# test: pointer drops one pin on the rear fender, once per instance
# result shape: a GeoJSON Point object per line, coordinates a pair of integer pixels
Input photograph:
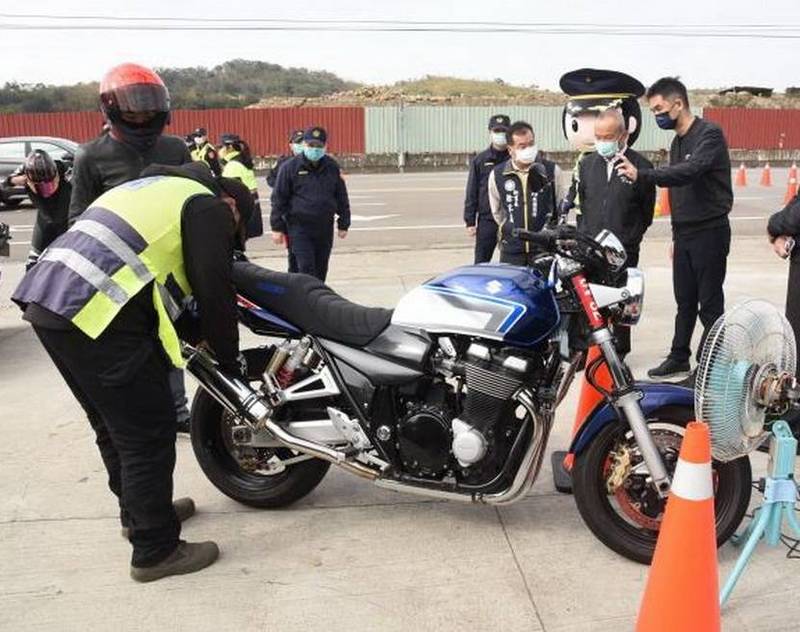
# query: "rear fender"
{"type": "Point", "coordinates": [655, 395]}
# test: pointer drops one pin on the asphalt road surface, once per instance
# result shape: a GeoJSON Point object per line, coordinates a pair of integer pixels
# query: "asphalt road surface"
{"type": "Point", "coordinates": [424, 210]}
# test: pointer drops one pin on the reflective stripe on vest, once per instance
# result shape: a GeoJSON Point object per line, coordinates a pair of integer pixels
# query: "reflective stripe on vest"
{"type": "Point", "coordinates": [89, 272]}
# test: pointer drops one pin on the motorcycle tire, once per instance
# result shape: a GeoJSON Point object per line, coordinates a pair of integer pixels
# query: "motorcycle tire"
{"type": "Point", "coordinates": [226, 474]}
{"type": "Point", "coordinates": [732, 482]}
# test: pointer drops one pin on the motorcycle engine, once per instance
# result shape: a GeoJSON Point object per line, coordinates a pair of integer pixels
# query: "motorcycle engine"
{"type": "Point", "coordinates": [423, 438]}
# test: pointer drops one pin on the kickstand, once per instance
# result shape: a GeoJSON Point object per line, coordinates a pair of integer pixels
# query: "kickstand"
{"type": "Point", "coordinates": [780, 495]}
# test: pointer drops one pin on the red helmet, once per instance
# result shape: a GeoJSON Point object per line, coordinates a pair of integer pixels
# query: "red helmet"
{"type": "Point", "coordinates": [134, 89]}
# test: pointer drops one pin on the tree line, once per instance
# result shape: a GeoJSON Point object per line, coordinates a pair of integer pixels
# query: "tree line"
{"type": "Point", "coordinates": [233, 84]}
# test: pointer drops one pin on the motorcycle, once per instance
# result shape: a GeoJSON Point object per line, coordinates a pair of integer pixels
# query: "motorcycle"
{"type": "Point", "coordinates": [452, 395]}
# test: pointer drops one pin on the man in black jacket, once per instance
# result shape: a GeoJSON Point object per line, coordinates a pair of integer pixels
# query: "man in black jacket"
{"type": "Point", "coordinates": [113, 347]}
{"type": "Point", "coordinates": [613, 202]}
{"type": "Point", "coordinates": [135, 104]}
{"type": "Point", "coordinates": [49, 190]}
{"type": "Point", "coordinates": [295, 148]}
{"type": "Point", "coordinates": [477, 212]}
{"type": "Point", "coordinates": [699, 181]}
{"type": "Point", "coordinates": [308, 195]}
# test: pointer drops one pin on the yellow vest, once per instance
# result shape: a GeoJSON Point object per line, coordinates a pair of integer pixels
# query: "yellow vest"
{"type": "Point", "coordinates": [235, 169]}
{"type": "Point", "coordinates": [138, 225]}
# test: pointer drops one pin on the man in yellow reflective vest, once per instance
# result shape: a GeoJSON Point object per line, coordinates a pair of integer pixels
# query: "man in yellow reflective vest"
{"type": "Point", "coordinates": [106, 299]}
{"type": "Point", "coordinates": [202, 150]}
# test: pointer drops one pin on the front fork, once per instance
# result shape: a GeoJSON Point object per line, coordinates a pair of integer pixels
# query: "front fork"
{"type": "Point", "coordinates": [624, 397]}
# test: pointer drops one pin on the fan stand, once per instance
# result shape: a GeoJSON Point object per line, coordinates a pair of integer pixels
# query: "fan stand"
{"type": "Point", "coordinates": [780, 494]}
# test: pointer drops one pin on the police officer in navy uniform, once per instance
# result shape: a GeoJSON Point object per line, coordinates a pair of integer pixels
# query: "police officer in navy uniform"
{"type": "Point", "coordinates": [106, 300]}
{"type": "Point", "coordinates": [522, 193]}
{"type": "Point", "coordinates": [295, 148]}
{"type": "Point", "coordinates": [477, 212]}
{"type": "Point", "coordinates": [309, 194]}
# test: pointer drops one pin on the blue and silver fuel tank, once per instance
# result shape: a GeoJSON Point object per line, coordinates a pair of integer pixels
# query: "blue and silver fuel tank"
{"type": "Point", "coordinates": [496, 301]}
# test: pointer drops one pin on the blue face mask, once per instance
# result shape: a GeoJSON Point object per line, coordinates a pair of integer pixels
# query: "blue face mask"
{"type": "Point", "coordinates": [314, 153]}
{"type": "Point", "coordinates": [297, 148]}
{"type": "Point", "coordinates": [664, 121]}
{"type": "Point", "coordinates": [606, 148]}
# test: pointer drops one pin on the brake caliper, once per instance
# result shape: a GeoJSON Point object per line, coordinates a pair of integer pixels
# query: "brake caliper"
{"type": "Point", "coordinates": [620, 468]}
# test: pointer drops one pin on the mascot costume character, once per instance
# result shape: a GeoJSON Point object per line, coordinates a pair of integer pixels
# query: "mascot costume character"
{"type": "Point", "coordinates": [590, 91]}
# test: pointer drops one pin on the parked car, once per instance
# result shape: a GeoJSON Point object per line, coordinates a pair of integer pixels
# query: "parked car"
{"type": "Point", "coordinates": [13, 150]}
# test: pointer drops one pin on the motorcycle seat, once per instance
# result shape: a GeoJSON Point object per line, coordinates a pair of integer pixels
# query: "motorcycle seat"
{"type": "Point", "coordinates": [310, 305]}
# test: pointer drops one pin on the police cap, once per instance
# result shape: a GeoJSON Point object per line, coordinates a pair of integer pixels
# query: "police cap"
{"type": "Point", "coordinates": [500, 122]}
{"type": "Point", "coordinates": [315, 134]}
{"type": "Point", "coordinates": [595, 81]}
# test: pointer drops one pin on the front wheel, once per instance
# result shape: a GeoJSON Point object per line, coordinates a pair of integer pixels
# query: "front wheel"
{"type": "Point", "coordinates": [623, 510]}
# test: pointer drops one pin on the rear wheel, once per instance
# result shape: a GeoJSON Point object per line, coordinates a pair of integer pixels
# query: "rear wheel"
{"type": "Point", "coordinates": [625, 512]}
{"type": "Point", "coordinates": [251, 476]}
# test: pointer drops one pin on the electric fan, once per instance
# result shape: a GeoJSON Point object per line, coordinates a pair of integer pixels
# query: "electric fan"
{"type": "Point", "coordinates": [747, 374]}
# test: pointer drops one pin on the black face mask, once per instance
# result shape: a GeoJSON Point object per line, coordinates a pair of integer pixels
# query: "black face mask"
{"type": "Point", "coordinates": [142, 137]}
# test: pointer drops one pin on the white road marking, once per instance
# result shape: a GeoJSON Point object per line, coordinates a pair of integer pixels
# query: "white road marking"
{"type": "Point", "coordinates": [371, 218]}
{"type": "Point", "coordinates": [410, 190]}
{"type": "Point", "coordinates": [370, 204]}
{"type": "Point", "coordinates": [425, 227]}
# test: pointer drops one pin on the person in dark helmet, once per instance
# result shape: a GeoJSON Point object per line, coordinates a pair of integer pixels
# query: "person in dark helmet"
{"type": "Point", "coordinates": [477, 212]}
{"type": "Point", "coordinates": [135, 104]}
{"type": "Point", "coordinates": [49, 191]}
{"type": "Point", "coordinates": [295, 149]}
{"type": "Point", "coordinates": [202, 150]}
{"type": "Point", "coordinates": [239, 164]}
{"type": "Point", "coordinates": [110, 318]}
{"type": "Point", "coordinates": [309, 195]}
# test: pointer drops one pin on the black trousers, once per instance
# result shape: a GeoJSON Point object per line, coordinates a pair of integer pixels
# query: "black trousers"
{"type": "Point", "coordinates": [699, 264]}
{"type": "Point", "coordinates": [122, 382]}
{"type": "Point", "coordinates": [311, 251]}
{"type": "Point", "coordinates": [518, 258]}
{"type": "Point", "coordinates": [793, 302]}
{"type": "Point", "coordinates": [622, 334]}
{"type": "Point", "coordinates": [485, 239]}
{"type": "Point", "coordinates": [255, 225]}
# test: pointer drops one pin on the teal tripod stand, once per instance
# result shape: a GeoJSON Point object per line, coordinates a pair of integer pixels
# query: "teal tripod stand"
{"type": "Point", "coordinates": [780, 494]}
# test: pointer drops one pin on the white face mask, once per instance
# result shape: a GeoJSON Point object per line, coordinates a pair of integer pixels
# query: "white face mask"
{"type": "Point", "coordinates": [527, 155]}
{"type": "Point", "coordinates": [499, 139]}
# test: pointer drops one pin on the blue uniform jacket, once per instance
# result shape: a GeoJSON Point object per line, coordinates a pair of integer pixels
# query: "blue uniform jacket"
{"type": "Point", "coordinates": [308, 196]}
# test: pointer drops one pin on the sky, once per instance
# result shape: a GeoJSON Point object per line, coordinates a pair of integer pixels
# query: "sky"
{"type": "Point", "coordinates": [62, 57]}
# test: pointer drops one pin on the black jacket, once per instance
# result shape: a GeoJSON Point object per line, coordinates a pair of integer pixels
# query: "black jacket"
{"type": "Point", "coordinates": [309, 196]}
{"type": "Point", "coordinates": [617, 204]}
{"type": "Point", "coordinates": [207, 232]}
{"type": "Point", "coordinates": [103, 163]}
{"type": "Point", "coordinates": [787, 222]}
{"type": "Point", "coordinates": [272, 175]}
{"type": "Point", "coordinates": [476, 199]}
{"type": "Point", "coordinates": [698, 177]}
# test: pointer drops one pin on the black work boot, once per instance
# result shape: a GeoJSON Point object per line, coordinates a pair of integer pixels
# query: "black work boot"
{"type": "Point", "coordinates": [188, 557]}
{"type": "Point", "coordinates": [184, 509]}
{"type": "Point", "coordinates": [669, 369]}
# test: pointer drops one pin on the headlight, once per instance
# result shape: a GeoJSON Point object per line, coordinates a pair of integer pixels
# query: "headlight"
{"type": "Point", "coordinates": [613, 250]}
{"type": "Point", "coordinates": [632, 307]}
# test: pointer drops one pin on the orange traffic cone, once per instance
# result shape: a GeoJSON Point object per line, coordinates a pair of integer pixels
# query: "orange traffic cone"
{"type": "Point", "coordinates": [741, 176]}
{"type": "Point", "coordinates": [682, 590]}
{"type": "Point", "coordinates": [766, 176]}
{"type": "Point", "coordinates": [663, 207]}
{"type": "Point", "coordinates": [589, 397]}
{"type": "Point", "coordinates": [791, 189]}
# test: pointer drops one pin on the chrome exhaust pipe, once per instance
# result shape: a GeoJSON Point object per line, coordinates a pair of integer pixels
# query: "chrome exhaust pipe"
{"type": "Point", "coordinates": [239, 398]}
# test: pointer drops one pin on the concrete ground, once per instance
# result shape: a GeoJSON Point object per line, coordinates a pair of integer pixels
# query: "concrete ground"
{"type": "Point", "coordinates": [349, 556]}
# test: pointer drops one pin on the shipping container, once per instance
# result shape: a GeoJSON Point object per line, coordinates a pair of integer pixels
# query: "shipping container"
{"type": "Point", "coordinates": [266, 130]}
{"type": "Point", "coordinates": [757, 129]}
